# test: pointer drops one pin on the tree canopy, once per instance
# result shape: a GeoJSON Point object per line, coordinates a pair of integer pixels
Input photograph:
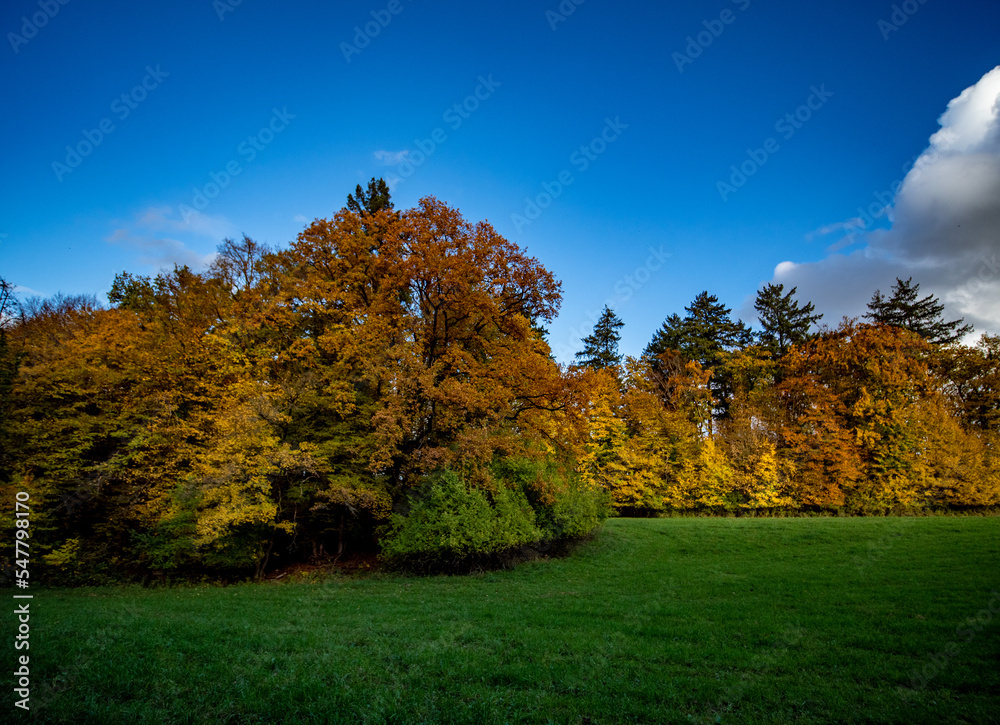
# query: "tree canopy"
{"type": "Point", "coordinates": [370, 201]}
{"type": "Point", "coordinates": [707, 335]}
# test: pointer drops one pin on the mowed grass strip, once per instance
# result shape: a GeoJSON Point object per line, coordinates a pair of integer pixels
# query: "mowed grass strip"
{"type": "Point", "coordinates": [655, 621]}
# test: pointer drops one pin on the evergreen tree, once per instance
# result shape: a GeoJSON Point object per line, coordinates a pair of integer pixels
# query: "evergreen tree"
{"type": "Point", "coordinates": [600, 348]}
{"type": "Point", "coordinates": [706, 334]}
{"type": "Point", "coordinates": [669, 337]}
{"type": "Point", "coordinates": [784, 321]}
{"type": "Point", "coordinates": [373, 200]}
{"type": "Point", "coordinates": [922, 316]}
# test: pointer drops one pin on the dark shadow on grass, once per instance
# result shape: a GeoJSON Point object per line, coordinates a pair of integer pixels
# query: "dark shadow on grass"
{"type": "Point", "coordinates": [461, 564]}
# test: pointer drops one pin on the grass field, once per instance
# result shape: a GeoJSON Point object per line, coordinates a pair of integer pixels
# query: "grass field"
{"type": "Point", "coordinates": [656, 621]}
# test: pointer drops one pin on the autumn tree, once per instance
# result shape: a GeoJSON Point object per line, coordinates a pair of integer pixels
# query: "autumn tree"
{"type": "Point", "coordinates": [750, 434]}
{"type": "Point", "coordinates": [10, 312]}
{"type": "Point", "coordinates": [600, 348]}
{"type": "Point", "coordinates": [784, 321]}
{"type": "Point", "coordinates": [434, 327]}
{"type": "Point", "coordinates": [972, 376]}
{"type": "Point", "coordinates": [904, 308]}
{"type": "Point", "coordinates": [853, 395]}
{"type": "Point", "coordinates": [667, 462]}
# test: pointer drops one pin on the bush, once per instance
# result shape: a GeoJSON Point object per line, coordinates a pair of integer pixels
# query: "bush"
{"type": "Point", "coordinates": [565, 506]}
{"type": "Point", "coordinates": [451, 527]}
{"type": "Point", "coordinates": [579, 510]}
{"type": "Point", "coordinates": [454, 527]}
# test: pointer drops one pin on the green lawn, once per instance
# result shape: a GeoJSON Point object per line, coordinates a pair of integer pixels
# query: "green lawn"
{"type": "Point", "coordinates": [657, 620]}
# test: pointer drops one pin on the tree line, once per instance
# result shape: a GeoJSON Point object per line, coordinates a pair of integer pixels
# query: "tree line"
{"type": "Point", "coordinates": [889, 413]}
{"type": "Point", "coordinates": [384, 381]}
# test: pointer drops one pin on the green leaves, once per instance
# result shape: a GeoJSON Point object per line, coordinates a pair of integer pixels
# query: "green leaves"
{"type": "Point", "coordinates": [450, 525]}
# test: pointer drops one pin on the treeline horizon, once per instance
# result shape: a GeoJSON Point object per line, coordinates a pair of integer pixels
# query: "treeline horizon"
{"type": "Point", "coordinates": [892, 414]}
{"type": "Point", "coordinates": [385, 382]}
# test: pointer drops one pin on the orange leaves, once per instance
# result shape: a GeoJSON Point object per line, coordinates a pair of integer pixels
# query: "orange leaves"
{"type": "Point", "coordinates": [430, 316]}
{"type": "Point", "coordinates": [859, 400]}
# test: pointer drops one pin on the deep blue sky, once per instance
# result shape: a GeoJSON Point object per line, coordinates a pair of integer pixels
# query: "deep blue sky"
{"type": "Point", "coordinates": [655, 186]}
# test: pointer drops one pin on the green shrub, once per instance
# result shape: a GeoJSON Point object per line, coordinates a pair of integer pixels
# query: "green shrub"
{"type": "Point", "coordinates": [565, 507]}
{"type": "Point", "coordinates": [453, 527]}
{"type": "Point", "coordinates": [579, 510]}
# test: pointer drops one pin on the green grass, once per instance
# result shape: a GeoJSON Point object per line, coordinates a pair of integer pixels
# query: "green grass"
{"type": "Point", "coordinates": [656, 621]}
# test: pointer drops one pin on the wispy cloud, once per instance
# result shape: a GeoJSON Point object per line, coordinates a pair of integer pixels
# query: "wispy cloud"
{"type": "Point", "coordinates": [194, 222]}
{"type": "Point", "coordinates": [846, 226]}
{"type": "Point", "coordinates": [161, 238]}
{"type": "Point", "coordinates": [23, 292]}
{"type": "Point", "coordinates": [391, 158]}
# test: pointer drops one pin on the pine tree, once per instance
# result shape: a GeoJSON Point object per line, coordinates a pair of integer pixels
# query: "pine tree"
{"type": "Point", "coordinates": [707, 334]}
{"type": "Point", "coordinates": [922, 316]}
{"type": "Point", "coordinates": [600, 348]}
{"type": "Point", "coordinates": [785, 322]}
{"type": "Point", "coordinates": [669, 337]}
{"type": "Point", "coordinates": [375, 199]}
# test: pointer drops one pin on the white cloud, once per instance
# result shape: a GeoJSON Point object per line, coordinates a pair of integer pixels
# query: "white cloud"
{"type": "Point", "coordinates": [24, 292]}
{"type": "Point", "coordinates": [849, 225]}
{"type": "Point", "coordinates": [163, 218]}
{"type": "Point", "coordinates": [391, 158]}
{"type": "Point", "coordinates": [944, 231]}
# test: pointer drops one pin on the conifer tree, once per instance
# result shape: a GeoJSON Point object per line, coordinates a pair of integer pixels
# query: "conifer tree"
{"type": "Point", "coordinates": [371, 201]}
{"type": "Point", "coordinates": [600, 348]}
{"type": "Point", "coordinates": [706, 334]}
{"type": "Point", "coordinates": [784, 321]}
{"type": "Point", "coordinates": [904, 309]}
{"type": "Point", "coordinates": [703, 335]}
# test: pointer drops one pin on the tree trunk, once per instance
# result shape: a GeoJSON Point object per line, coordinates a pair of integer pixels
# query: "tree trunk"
{"type": "Point", "coordinates": [340, 537]}
{"type": "Point", "coordinates": [261, 565]}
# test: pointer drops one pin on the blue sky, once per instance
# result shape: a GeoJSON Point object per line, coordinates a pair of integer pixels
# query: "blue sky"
{"type": "Point", "coordinates": [157, 99]}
